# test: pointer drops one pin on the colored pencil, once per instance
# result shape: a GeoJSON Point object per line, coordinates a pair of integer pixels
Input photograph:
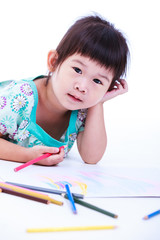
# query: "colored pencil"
{"type": "Point", "coordinates": [70, 197]}
{"type": "Point", "coordinates": [47, 190]}
{"type": "Point", "coordinates": [18, 194]}
{"type": "Point", "coordinates": [30, 193]}
{"type": "Point", "coordinates": [88, 205]}
{"type": "Point", "coordinates": [64, 229]}
{"type": "Point", "coordinates": [34, 160]}
{"type": "Point", "coordinates": [151, 215]}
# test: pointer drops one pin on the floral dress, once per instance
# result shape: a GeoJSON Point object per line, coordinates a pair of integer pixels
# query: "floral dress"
{"type": "Point", "coordinates": [18, 104]}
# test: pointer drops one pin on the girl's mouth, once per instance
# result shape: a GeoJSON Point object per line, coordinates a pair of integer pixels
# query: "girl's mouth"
{"type": "Point", "coordinates": [74, 98]}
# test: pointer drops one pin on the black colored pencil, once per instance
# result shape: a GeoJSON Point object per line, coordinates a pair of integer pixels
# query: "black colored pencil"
{"type": "Point", "coordinates": [88, 205]}
{"type": "Point", "coordinates": [18, 194]}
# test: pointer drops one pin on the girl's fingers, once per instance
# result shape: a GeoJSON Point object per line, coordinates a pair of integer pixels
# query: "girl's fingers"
{"type": "Point", "coordinates": [54, 158]}
{"type": "Point", "coordinates": [57, 155]}
{"type": "Point", "coordinates": [124, 84]}
{"type": "Point", "coordinates": [52, 150]}
{"type": "Point", "coordinates": [121, 86]}
{"type": "Point", "coordinates": [44, 149]}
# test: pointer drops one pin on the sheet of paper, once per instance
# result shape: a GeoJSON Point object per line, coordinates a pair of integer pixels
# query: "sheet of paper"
{"type": "Point", "coordinates": [91, 180]}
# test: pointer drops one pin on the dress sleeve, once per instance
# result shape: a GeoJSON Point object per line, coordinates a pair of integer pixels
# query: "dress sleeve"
{"type": "Point", "coordinates": [13, 104]}
{"type": "Point", "coordinates": [7, 118]}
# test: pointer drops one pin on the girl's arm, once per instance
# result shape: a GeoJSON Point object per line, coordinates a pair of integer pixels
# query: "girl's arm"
{"type": "Point", "coordinates": [13, 152]}
{"type": "Point", "coordinates": [93, 140]}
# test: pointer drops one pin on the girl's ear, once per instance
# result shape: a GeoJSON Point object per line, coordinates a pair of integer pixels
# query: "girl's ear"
{"type": "Point", "coordinates": [51, 60]}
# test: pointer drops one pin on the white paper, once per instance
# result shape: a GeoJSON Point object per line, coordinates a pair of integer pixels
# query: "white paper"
{"type": "Point", "coordinates": [90, 180]}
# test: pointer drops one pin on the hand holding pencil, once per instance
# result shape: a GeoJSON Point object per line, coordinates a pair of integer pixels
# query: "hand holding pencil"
{"type": "Point", "coordinates": [58, 157]}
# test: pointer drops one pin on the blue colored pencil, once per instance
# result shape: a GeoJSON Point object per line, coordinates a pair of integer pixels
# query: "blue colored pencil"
{"type": "Point", "coordinates": [70, 197]}
{"type": "Point", "coordinates": [151, 215]}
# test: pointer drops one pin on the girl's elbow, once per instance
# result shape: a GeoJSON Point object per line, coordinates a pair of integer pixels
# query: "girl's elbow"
{"type": "Point", "coordinates": [91, 159]}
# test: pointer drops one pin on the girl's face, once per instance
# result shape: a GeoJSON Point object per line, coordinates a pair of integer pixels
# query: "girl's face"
{"type": "Point", "coordinates": [80, 82]}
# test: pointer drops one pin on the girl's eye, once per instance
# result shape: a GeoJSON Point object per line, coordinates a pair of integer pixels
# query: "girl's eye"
{"type": "Point", "coordinates": [77, 70]}
{"type": "Point", "coordinates": [97, 81]}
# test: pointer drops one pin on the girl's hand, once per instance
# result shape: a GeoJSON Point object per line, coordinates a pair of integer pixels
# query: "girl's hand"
{"type": "Point", "coordinates": [120, 87]}
{"type": "Point", "coordinates": [56, 157]}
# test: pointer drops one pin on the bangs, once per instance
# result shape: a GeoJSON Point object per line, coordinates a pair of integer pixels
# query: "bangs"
{"type": "Point", "coordinates": [104, 49]}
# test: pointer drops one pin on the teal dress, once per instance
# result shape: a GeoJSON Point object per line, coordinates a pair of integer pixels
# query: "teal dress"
{"type": "Point", "coordinates": [18, 105]}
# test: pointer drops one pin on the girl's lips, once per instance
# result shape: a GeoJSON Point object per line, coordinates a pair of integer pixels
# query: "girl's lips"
{"type": "Point", "coordinates": [74, 98]}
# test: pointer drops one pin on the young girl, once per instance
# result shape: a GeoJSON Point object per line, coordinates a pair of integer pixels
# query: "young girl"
{"type": "Point", "coordinates": [39, 115]}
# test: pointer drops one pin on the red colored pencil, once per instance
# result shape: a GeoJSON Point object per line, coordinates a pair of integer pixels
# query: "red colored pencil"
{"type": "Point", "coordinates": [34, 160]}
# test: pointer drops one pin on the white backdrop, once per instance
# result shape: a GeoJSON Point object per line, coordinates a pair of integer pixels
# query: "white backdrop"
{"type": "Point", "coordinates": [29, 29]}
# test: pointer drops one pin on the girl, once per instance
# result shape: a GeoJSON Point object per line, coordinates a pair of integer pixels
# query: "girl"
{"type": "Point", "coordinates": [39, 115]}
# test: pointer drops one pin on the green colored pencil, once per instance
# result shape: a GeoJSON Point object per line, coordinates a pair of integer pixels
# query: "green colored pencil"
{"type": "Point", "coordinates": [88, 205]}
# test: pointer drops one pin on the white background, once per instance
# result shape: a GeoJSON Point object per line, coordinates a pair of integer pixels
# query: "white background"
{"type": "Point", "coordinates": [29, 29]}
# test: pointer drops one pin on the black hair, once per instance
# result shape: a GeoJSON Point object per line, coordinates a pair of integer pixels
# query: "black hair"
{"type": "Point", "coordinates": [98, 39]}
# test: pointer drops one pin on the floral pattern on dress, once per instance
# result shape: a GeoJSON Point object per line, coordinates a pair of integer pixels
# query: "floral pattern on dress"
{"type": "Point", "coordinates": [8, 121]}
{"type": "Point", "coordinates": [82, 113]}
{"type": "Point", "coordinates": [13, 135]}
{"type": "Point", "coordinates": [11, 84]}
{"type": "Point", "coordinates": [9, 88]}
{"type": "Point", "coordinates": [25, 134]}
{"type": "Point", "coordinates": [34, 142]}
{"type": "Point", "coordinates": [3, 102]}
{"type": "Point", "coordinates": [18, 102]}
{"type": "Point", "coordinates": [3, 128]}
{"type": "Point", "coordinates": [72, 137]}
{"type": "Point", "coordinates": [26, 89]}
{"type": "Point", "coordinates": [23, 124]}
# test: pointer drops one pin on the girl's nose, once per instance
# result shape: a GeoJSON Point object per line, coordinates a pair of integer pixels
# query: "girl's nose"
{"type": "Point", "coordinates": [80, 87]}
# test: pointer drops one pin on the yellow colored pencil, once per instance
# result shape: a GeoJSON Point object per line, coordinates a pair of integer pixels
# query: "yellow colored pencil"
{"type": "Point", "coordinates": [30, 193]}
{"type": "Point", "coordinates": [64, 229]}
